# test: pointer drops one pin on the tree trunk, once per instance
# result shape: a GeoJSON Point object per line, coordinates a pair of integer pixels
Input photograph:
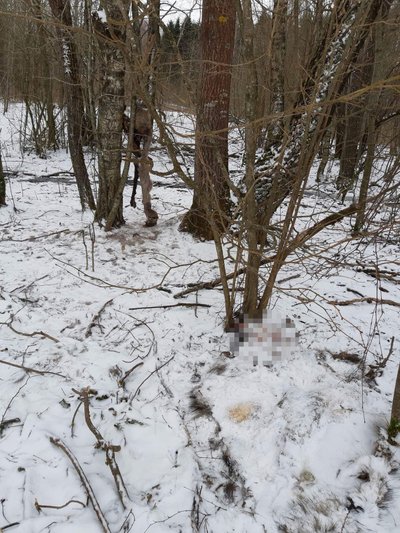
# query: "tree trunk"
{"type": "Point", "coordinates": [354, 116]}
{"type": "Point", "coordinates": [291, 162]}
{"type": "Point", "coordinates": [111, 37]}
{"type": "Point", "coordinates": [394, 426]}
{"type": "Point", "coordinates": [210, 208]}
{"type": "Point", "coordinates": [250, 295]}
{"type": "Point", "coordinates": [2, 184]}
{"type": "Point", "coordinates": [61, 10]}
{"type": "Point", "coordinates": [277, 53]}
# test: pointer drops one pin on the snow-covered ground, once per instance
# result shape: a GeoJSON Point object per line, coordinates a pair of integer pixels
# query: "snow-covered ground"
{"type": "Point", "coordinates": [204, 442]}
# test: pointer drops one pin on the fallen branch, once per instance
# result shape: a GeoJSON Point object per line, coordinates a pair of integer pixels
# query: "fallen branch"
{"type": "Point", "coordinates": [98, 282]}
{"type": "Point", "coordinates": [6, 423]}
{"type": "Point", "coordinates": [55, 174]}
{"type": "Point", "coordinates": [3, 418]}
{"type": "Point", "coordinates": [169, 306]}
{"type": "Point", "coordinates": [109, 449]}
{"type": "Point", "coordinates": [39, 506]}
{"type": "Point", "coordinates": [28, 239]}
{"type": "Point", "coordinates": [33, 370]}
{"type": "Point", "coordinates": [369, 300]}
{"type": "Point", "coordinates": [121, 382]}
{"type": "Point", "coordinates": [95, 320]}
{"type": "Point", "coordinates": [9, 525]}
{"type": "Point", "coordinates": [33, 334]}
{"type": "Point", "coordinates": [151, 373]}
{"type": "Point", "coordinates": [217, 281]}
{"type": "Point", "coordinates": [295, 243]}
{"type": "Point", "coordinates": [82, 476]}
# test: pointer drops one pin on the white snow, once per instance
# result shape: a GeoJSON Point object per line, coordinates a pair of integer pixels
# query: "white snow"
{"type": "Point", "coordinates": [312, 429]}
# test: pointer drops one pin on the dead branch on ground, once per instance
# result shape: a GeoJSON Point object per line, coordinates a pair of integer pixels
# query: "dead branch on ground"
{"type": "Point", "coordinates": [121, 382]}
{"type": "Point", "coordinates": [367, 299]}
{"type": "Point", "coordinates": [108, 448]}
{"type": "Point", "coordinates": [151, 374]}
{"type": "Point", "coordinates": [169, 306]}
{"type": "Point", "coordinates": [39, 506]}
{"type": "Point", "coordinates": [35, 238]}
{"type": "Point", "coordinates": [95, 320]}
{"type": "Point", "coordinates": [40, 333]}
{"type": "Point", "coordinates": [33, 370]}
{"type": "Point", "coordinates": [82, 476]}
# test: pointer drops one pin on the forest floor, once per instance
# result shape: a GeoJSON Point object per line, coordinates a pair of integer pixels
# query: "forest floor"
{"type": "Point", "coordinates": [120, 409]}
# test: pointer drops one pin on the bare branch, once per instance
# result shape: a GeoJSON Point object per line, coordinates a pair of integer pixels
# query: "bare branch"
{"type": "Point", "coordinates": [82, 476]}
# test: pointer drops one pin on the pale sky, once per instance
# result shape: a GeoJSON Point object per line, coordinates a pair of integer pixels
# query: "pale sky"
{"type": "Point", "coordinates": [172, 9]}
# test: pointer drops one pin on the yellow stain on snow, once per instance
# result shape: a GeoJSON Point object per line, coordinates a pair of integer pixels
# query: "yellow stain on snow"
{"type": "Point", "coordinates": [241, 411]}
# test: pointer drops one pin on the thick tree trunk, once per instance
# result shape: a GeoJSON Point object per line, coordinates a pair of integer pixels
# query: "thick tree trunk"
{"type": "Point", "coordinates": [246, 26]}
{"type": "Point", "coordinates": [61, 10]}
{"type": "Point", "coordinates": [394, 426]}
{"type": "Point", "coordinates": [2, 184]}
{"type": "Point", "coordinates": [210, 208]}
{"type": "Point", "coordinates": [111, 36]}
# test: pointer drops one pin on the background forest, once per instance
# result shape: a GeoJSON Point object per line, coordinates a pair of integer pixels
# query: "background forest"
{"type": "Point", "coordinates": [200, 266]}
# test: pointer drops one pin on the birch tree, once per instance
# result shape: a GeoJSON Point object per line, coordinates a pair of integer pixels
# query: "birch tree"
{"type": "Point", "coordinates": [110, 27]}
{"type": "Point", "coordinates": [61, 10]}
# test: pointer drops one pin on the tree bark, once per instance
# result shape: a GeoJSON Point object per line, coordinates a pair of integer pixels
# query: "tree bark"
{"type": "Point", "coordinates": [291, 162]}
{"type": "Point", "coordinates": [210, 208]}
{"type": "Point", "coordinates": [354, 115]}
{"type": "Point", "coordinates": [395, 416]}
{"type": "Point", "coordinates": [61, 10]}
{"type": "Point", "coordinates": [277, 53]}
{"type": "Point", "coordinates": [2, 184]}
{"type": "Point", "coordinates": [111, 37]}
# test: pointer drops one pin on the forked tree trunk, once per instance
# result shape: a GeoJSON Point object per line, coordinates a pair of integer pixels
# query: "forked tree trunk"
{"type": "Point", "coordinates": [210, 208]}
{"type": "Point", "coordinates": [287, 169]}
{"type": "Point", "coordinates": [111, 37]}
{"type": "Point", "coordinates": [291, 162]}
{"type": "Point", "coordinates": [61, 10]}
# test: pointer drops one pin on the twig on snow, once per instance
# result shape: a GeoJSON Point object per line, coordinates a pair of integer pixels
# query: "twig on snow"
{"type": "Point", "coordinates": [151, 373]}
{"type": "Point", "coordinates": [367, 299]}
{"type": "Point", "coordinates": [2, 426]}
{"type": "Point", "coordinates": [39, 506]}
{"type": "Point", "coordinates": [182, 304]}
{"type": "Point", "coordinates": [82, 476]}
{"type": "Point", "coordinates": [6, 423]}
{"type": "Point", "coordinates": [33, 370]}
{"type": "Point", "coordinates": [109, 449]}
{"type": "Point", "coordinates": [36, 237]}
{"type": "Point", "coordinates": [121, 382]}
{"type": "Point", "coordinates": [9, 525]}
{"type": "Point", "coordinates": [33, 334]}
{"type": "Point", "coordinates": [95, 320]}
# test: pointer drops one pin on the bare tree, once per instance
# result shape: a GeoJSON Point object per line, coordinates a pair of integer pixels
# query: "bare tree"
{"type": "Point", "coordinates": [111, 37]}
{"type": "Point", "coordinates": [61, 10]}
{"type": "Point", "coordinates": [210, 207]}
{"type": "Point", "coordinates": [2, 184]}
{"type": "Point", "coordinates": [277, 53]}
